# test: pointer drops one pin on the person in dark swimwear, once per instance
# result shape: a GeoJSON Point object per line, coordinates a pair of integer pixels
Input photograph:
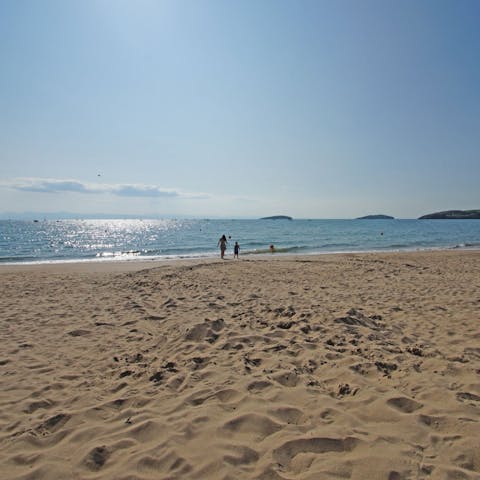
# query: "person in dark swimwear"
{"type": "Point", "coordinates": [236, 250]}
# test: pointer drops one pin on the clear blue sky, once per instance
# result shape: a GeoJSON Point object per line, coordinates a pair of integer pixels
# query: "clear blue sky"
{"type": "Point", "coordinates": [315, 109]}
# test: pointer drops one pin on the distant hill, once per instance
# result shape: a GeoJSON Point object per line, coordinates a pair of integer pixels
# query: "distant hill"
{"type": "Point", "coordinates": [453, 215]}
{"type": "Point", "coordinates": [376, 217]}
{"type": "Point", "coordinates": [277, 217]}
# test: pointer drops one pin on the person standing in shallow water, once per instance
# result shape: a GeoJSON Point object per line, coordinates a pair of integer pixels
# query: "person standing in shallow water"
{"type": "Point", "coordinates": [222, 243]}
{"type": "Point", "coordinates": [236, 250]}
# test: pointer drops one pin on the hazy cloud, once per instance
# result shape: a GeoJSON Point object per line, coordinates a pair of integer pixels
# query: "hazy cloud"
{"type": "Point", "coordinates": [48, 185]}
{"type": "Point", "coordinates": [143, 191]}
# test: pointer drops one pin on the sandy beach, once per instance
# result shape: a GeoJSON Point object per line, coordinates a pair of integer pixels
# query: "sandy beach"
{"type": "Point", "coordinates": [362, 366]}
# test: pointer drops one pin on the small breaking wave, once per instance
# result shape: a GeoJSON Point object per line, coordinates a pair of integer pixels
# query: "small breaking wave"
{"type": "Point", "coordinates": [126, 254]}
{"type": "Point", "coordinates": [466, 245]}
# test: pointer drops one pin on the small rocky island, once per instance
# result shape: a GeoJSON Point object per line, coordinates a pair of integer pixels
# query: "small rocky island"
{"type": "Point", "coordinates": [376, 217]}
{"type": "Point", "coordinates": [277, 217]}
{"type": "Point", "coordinates": [453, 215]}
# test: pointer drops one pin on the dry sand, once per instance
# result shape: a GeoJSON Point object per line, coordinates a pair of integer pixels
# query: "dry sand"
{"type": "Point", "coordinates": [326, 367]}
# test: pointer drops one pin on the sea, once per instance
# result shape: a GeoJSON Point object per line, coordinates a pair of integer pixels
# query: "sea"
{"type": "Point", "coordinates": [61, 241]}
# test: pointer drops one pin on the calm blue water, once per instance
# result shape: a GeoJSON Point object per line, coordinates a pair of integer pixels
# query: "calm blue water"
{"type": "Point", "coordinates": [109, 240]}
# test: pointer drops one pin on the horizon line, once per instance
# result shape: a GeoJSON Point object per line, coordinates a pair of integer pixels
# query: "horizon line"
{"type": "Point", "coordinates": [47, 216]}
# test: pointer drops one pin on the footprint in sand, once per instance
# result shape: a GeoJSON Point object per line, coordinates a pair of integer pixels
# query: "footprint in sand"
{"type": "Point", "coordinates": [205, 331]}
{"type": "Point", "coordinates": [228, 395]}
{"type": "Point", "coordinates": [244, 456]}
{"type": "Point", "coordinates": [32, 407]}
{"type": "Point", "coordinates": [431, 421]}
{"type": "Point", "coordinates": [198, 397]}
{"type": "Point", "coordinates": [96, 458]}
{"type": "Point", "coordinates": [289, 450]}
{"type": "Point", "coordinates": [468, 397]}
{"type": "Point", "coordinates": [146, 431]}
{"type": "Point", "coordinates": [258, 386]}
{"type": "Point", "coordinates": [170, 461]}
{"type": "Point", "coordinates": [79, 333]}
{"type": "Point", "coordinates": [404, 404]}
{"type": "Point", "coordinates": [53, 423]}
{"type": "Point", "coordinates": [287, 379]}
{"type": "Point", "coordinates": [251, 423]}
{"type": "Point", "coordinates": [290, 415]}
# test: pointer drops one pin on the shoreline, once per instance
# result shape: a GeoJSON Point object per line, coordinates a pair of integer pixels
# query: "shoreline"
{"type": "Point", "coordinates": [138, 263]}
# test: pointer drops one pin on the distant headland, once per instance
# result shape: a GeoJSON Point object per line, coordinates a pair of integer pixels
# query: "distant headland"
{"type": "Point", "coordinates": [453, 215]}
{"type": "Point", "coordinates": [277, 217]}
{"type": "Point", "coordinates": [376, 217]}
